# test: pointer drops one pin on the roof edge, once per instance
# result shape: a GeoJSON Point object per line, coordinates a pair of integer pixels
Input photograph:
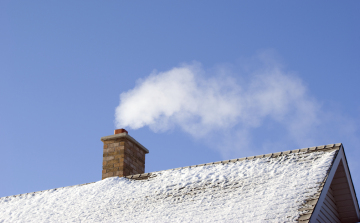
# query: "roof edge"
{"type": "Point", "coordinates": [144, 176]}
{"type": "Point", "coordinates": [312, 205]}
{"type": "Point", "coordinates": [339, 158]}
{"type": "Point", "coordinates": [352, 183]}
{"type": "Point", "coordinates": [326, 148]}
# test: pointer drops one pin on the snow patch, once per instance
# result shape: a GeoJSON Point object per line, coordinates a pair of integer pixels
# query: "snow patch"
{"type": "Point", "coordinates": [258, 190]}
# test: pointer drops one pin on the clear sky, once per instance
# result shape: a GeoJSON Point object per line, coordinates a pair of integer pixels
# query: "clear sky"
{"type": "Point", "coordinates": [200, 81]}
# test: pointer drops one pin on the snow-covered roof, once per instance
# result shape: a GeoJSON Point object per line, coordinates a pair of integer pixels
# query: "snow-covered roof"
{"type": "Point", "coordinates": [280, 187]}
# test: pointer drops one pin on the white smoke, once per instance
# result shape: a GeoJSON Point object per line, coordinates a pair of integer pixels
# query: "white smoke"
{"type": "Point", "coordinates": [200, 105]}
{"type": "Point", "coordinates": [180, 97]}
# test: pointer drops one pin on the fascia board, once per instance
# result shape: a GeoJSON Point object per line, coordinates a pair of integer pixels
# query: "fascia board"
{"type": "Point", "coordinates": [351, 184]}
{"type": "Point", "coordinates": [326, 186]}
{"type": "Point", "coordinates": [340, 157]}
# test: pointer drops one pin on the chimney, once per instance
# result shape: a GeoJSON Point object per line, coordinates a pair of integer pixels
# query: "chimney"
{"type": "Point", "coordinates": [123, 155]}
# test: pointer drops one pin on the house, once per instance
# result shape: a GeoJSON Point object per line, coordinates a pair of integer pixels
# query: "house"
{"type": "Point", "coordinates": [303, 185]}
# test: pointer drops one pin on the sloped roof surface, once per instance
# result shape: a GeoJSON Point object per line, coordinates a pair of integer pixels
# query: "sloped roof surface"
{"type": "Point", "coordinates": [269, 188]}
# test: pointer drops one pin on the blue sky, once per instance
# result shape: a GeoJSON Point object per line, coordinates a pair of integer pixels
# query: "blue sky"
{"type": "Point", "coordinates": [246, 78]}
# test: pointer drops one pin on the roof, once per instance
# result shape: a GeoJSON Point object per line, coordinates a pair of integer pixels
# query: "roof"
{"type": "Point", "coordinates": [283, 187]}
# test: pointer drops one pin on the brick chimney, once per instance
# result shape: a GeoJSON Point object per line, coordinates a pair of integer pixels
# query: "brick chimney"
{"type": "Point", "coordinates": [123, 155]}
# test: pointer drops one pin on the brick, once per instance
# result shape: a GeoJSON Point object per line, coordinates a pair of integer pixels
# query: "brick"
{"type": "Point", "coordinates": [119, 148]}
{"type": "Point", "coordinates": [119, 173]}
{"type": "Point", "coordinates": [128, 144]}
{"type": "Point", "coordinates": [119, 157]}
{"type": "Point", "coordinates": [108, 158]}
{"type": "Point", "coordinates": [108, 175]}
{"type": "Point", "coordinates": [114, 169]}
{"type": "Point", "coordinates": [108, 166]}
{"type": "Point", "coordinates": [113, 153]}
{"type": "Point", "coordinates": [113, 161]}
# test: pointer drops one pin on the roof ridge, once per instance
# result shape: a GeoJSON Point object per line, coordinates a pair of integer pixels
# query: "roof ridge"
{"type": "Point", "coordinates": [145, 176]}
{"type": "Point", "coordinates": [329, 147]}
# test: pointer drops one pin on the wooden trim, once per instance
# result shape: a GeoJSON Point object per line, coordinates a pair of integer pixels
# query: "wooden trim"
{"type": "Point", "coordinates": [326, 187]}
{"type": "Point", "coordinates": [339, 185]}
{"type": "Point", "coordinates": [351, 185]}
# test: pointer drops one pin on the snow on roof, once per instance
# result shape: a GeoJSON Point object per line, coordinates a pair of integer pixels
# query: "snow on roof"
{"type": "Point", "coordinates": [272, 188]}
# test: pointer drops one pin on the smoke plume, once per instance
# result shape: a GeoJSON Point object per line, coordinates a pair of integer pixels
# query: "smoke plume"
{"type": "Point", "coordinates": [204, 103]}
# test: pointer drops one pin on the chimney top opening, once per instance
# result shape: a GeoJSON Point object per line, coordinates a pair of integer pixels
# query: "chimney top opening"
{"type": "Point", "coordinates": [118, 131]}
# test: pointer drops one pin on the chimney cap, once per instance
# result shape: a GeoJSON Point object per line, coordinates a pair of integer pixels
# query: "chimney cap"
{"type": "Point", "coordinates": [118, 131]}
